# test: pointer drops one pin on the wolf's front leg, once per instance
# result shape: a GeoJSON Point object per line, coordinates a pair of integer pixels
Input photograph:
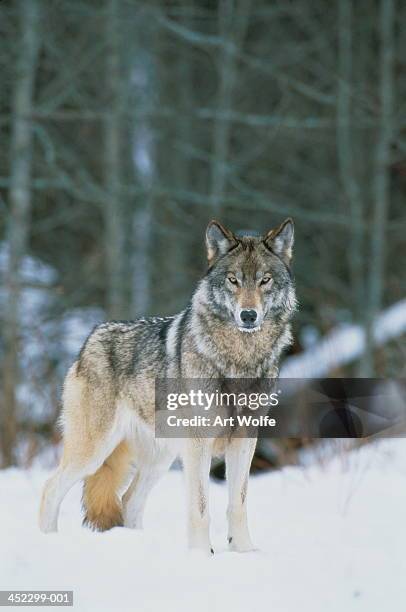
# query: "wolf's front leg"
{"type": "Point", "coordinates": [239, 455]}
{"type": "Point", "coordinates": [196, 465]}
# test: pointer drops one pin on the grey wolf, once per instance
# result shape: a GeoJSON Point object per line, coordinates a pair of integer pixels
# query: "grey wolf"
{"type": "Point", "coordinates": [236, 326]}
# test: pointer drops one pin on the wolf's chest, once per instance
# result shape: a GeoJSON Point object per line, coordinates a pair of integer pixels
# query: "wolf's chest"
{"type": "Point", "coordinates": [234, 355]}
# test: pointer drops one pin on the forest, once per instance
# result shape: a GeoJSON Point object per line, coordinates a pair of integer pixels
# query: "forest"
{"type": "Point", "coordinates": [126, 126]}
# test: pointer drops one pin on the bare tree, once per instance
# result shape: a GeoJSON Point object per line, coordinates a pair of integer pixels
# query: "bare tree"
{"type": "Point", "coordinates": [115, 221]}
{"type": "Point", "coordinates": [19, 212]}
{"type": "Point", "coordinates": [378, 234]}
{"type": "Point", "coordinates": [347, 150]}
{"type": "Point", "coordinates": [144, 66]}
{"type": "Point", "coordinates": [233, 19]}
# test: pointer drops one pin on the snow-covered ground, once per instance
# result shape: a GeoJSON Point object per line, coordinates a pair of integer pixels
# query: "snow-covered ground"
{"type": "Point", "coordinates": [332, 537]}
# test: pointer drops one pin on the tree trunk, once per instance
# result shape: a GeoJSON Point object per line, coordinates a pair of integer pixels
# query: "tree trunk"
{"type": "Point", "coordinates": [233, 22]}
{"type": "Point", "coordinates": [115, 222]}
{"type": "Point", "coordinates": [19, 215]}
{"type": "Point", "coordinates": [142, 237]}
{"type": "Point", "coordinates": [347, 144]}
{"type": "Point", "coordinates": [146, 64]}
{"type": "Point", "coordinates": [381, 178]}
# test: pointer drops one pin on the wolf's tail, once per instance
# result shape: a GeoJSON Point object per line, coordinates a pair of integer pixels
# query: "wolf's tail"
{"type": "Point", "coordinates": [101, 501]}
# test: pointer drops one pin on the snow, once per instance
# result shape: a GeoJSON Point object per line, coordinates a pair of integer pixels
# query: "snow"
{"type": "Point", "coordinates": [344, 344]}
{"type": "Point", "coordinates": [32, 269]}
{"type": "Point", "coordinates": [331, 537]}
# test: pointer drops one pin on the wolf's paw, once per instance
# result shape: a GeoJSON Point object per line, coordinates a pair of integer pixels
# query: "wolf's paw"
{"type": "Point", "coordinates": [241, 545]}
{"type": "Point", "coordinates": [130, 524]}
{"type": "Point", "coordinates": [202, 546]}
{"type": "Point", "coordinates": [47, 526]}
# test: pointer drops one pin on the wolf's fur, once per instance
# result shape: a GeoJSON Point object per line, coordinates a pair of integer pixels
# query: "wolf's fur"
{"type": "Point", "coordinates": [100, 490]}
{"type": "Point", "coordinates": [108, 398]}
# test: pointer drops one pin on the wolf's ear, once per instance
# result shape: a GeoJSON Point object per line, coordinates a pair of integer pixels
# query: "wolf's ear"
{"type": "Point", "coordinates": [219, 240]}
{"type": "Point", "coordinates": [281, 239]}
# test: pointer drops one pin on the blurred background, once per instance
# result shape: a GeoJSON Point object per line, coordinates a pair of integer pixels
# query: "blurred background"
{"type": "Point", "coordinates": [126, 126]}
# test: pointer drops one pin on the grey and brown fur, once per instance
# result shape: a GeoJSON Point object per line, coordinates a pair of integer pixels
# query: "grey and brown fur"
{"type": "Point", "coordinates": [236, 325]}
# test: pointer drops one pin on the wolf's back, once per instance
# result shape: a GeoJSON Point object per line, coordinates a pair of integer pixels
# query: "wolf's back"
{"type": "Point", "coordinates": [121, 349]}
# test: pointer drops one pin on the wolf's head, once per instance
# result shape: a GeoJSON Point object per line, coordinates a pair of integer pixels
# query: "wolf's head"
{"type": "Point", "coordinates": [249, 279]}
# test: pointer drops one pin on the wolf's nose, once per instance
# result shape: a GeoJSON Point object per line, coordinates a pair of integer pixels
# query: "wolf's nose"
{"type": "Point", "coordinates": [248, 317]}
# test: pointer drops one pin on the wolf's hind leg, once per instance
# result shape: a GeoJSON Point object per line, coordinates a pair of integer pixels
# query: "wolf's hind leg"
{"type": "Point", "coordinates": [239, 455]}
{"type": "Point", "coordinates": [54, 491]}
{"type": "Point", "coordinates": [74, 467]}
{"type": "Point", "coordinates": [149, 471]}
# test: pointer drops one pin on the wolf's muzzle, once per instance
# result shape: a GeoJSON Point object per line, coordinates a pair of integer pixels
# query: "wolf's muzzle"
{"type": "Point", "coordinates": [248, 318]}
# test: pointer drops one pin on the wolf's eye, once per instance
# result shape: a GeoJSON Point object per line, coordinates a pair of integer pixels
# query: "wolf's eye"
{"type": "Point", "coordinates": [265, 280]}
{"type": "Point", "coordinates": [232, 280]}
